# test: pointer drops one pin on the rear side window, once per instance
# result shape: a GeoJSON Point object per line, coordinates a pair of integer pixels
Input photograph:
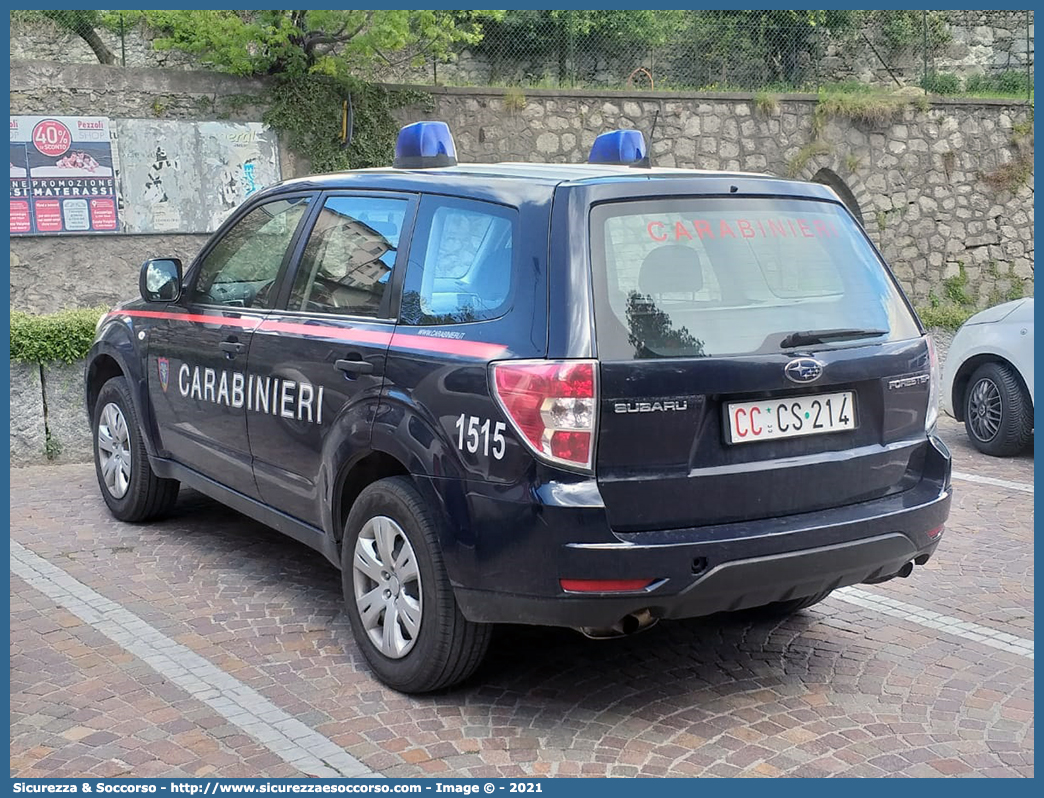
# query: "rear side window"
{"type": "Point", "coordinates": [462, 262]}
{"type": "Point", "coordinates": [706, 277]}
{"type": "Point", "coordinates": [349, 256]}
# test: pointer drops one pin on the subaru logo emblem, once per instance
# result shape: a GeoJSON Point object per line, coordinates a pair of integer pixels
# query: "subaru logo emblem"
{"type": "Point", "coordinates": [803, 369]}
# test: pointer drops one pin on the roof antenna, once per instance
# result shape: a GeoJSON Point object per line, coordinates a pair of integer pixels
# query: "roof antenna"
{"type": "Point", "coordinates": [646, 162]}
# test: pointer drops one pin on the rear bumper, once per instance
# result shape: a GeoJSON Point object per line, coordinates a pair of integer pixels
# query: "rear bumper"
{"type": "Point", "coordinates": [731, 586]}
{"type": "Point", "coordinates": [706, 570]}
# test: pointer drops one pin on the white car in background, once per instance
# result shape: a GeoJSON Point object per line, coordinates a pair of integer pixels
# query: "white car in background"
{"type": "Point", "coordinates": [988, 378]}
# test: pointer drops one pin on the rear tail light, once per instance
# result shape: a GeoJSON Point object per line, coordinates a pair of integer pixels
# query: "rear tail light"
{"type": "Point", "coordinates": [934, 386]}
{"type": "Point", "coordinates": [553, 406]}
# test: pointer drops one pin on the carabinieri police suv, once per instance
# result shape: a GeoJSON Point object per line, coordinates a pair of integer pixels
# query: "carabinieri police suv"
{"type": "Point", "coordinates": [591, 395]}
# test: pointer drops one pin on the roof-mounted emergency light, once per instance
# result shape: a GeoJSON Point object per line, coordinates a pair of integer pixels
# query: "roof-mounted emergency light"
{"type": "Point", "coordinates": [424, 145]}
{"type": "Point", "coordinates": [622, 147]}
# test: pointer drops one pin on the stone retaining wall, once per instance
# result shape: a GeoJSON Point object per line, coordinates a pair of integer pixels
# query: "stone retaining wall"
{"type": "Point", "coordinates": [49, 273]}
{"type": "Point", "coordinates": [48, 414]}
{"type": "Point", "coordinates": [921, 182]}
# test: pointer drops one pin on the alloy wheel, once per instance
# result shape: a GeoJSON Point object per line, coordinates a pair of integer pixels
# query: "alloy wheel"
{"type": "Point", "coordinates": [984, 410]}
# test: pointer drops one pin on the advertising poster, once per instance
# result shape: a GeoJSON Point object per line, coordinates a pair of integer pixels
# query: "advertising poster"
{"type": "Point", "coordinates": [21, 197]}
{"type": "Point", "coordinates": [71, 175]}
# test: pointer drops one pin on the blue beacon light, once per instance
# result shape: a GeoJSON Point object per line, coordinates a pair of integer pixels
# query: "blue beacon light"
{"type": "Point", "coordinates": [425, 145]}
{"type": "Point", "coordinates": [621, 147]}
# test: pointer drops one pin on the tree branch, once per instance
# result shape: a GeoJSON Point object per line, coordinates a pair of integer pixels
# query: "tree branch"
{"type": "Point", "coordinates": [314, 39]}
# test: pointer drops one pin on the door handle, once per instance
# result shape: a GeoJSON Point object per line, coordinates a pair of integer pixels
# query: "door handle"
{"type": "Point", "coordinates": [354, 366]}
{"type": "Point", "coordinates": [232, 347]}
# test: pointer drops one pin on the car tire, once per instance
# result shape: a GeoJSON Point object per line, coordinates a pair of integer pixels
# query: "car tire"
{"type": "Point", "coordinates": [131, 490]}
{"type": "Point", "coordinates": [998, 414]}
{"type": "Point", "coordinates": [781, 609]}
{"type": "Point", "coordinates": [391, 562]}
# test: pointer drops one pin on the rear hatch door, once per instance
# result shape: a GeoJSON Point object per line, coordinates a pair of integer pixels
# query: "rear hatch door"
{"type": "Point", "coordinates": [756, 359]}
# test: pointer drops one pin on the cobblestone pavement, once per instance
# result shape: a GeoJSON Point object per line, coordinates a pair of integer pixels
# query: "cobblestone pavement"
{"type": "Point", "coordinates": [210, 645]}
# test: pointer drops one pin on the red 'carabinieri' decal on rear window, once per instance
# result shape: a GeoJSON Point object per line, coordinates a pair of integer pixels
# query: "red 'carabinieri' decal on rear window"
{"type": "Point", "coordinates": [360, 335]}
{"type": "Point", "coordinates": [780, 227]}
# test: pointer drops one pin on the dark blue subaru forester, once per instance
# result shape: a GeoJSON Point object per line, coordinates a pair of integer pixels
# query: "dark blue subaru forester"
{"type": "Point", "coordinates": [590, 395]}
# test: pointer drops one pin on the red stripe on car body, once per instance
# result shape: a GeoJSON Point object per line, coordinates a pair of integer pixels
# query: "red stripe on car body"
{"type": "Point", "coordinates": [451, 346]}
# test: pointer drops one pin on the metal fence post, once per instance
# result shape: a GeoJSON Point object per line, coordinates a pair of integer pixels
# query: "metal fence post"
{"type": "Point", "coordinates": [123, 43]}
{"type": "Point", "coordinates": [1029, 61]}
{"type": "Point", "coordinates": [924, 22]}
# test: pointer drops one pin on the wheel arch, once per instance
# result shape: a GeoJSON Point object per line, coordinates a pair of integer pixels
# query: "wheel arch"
{"type": "Point", "coordinates": [100, 370]}
{"type": "Point", "coordinates": [355, 477]}
{"type": "Point", "coordinates": [964, 375]}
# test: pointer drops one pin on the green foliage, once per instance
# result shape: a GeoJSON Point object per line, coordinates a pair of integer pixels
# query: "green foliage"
{"type": "Point", "coordinates": [954, 287]}
{"type": "Point", "coordinates": [901, 30]}
{"type": "Point", "coordinates": [522, 36]}
{"type": "Point", "coordinates": [947, 317]}
{"type": "Point", "coordinates": [754, 49]}
{"type": "Point", "coordinates": [853, 162]}
{"type": "Point", "coordinates": [766, 104]}
{"type": "Point", "coordinates": [955, 308]}
{"type": "Point", "coordinates": [1017, 291]}
{"type": "Point", "coordinates": [941, 83]}
{"type": "Point", "coordinates": [1023, 129]}
{"type": "Point", "coordinates": [330, 42]}
{"type": "Point", "coordinates": [1009, 83]}
{"type": "Point", "coordinates": [1014, 174]}
{"type": "Point", "coordinates": [726, 50]}
{"type": "Point", "coordinates": [52, 446]}
{"type": "Point", "coordinates": [514, 99]}
{"type": "Point", "coordinates": [875, 109]}
{"type": "Point", "coordinates": [307, 108]}
{"type": "Point", "coordinates": [804, 155]}
{"type": "Point", "coordinates": [65, 336]}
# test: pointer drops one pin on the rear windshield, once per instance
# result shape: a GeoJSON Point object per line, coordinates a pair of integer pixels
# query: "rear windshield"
{"type": "Point", "coordinates": [721, 276]}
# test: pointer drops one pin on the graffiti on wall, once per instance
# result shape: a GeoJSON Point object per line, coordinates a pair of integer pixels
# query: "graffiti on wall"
{"type": "Point", "coordinates": [189, 176]}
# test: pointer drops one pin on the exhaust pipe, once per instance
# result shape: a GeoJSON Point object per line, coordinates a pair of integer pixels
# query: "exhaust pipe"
{"type": "Point", "coordinates": [628, 625]}
{"type": "Point", "coordinates": [903, 572]}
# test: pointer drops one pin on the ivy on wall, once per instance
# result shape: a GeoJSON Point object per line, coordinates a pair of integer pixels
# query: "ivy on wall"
{"type": "Point", "coordinates": [307, 110]}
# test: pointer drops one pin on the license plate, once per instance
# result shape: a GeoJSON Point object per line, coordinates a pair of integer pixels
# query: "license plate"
{"type": "Point", "coordinates": [791, 417]}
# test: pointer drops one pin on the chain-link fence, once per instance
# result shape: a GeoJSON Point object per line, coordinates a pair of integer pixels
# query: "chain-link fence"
{"type": "Point", "coordinates": [945, 52]}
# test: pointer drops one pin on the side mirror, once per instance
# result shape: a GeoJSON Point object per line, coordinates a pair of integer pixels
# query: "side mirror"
{"type": "Point", "coordinates": [160, 280]}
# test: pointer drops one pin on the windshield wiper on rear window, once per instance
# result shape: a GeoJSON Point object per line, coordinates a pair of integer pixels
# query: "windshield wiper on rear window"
{"type": "Point", "coordinates": [824, 336]}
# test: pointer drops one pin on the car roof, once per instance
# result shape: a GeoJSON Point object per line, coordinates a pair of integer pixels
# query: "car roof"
{"type": "Point", "coordinates": [550, 173]}
{"type": "Point", "coordinates": [540, 179]}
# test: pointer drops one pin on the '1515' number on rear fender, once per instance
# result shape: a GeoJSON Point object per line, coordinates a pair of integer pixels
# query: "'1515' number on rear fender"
{"type": "Point", "coordinates": [473, 431]}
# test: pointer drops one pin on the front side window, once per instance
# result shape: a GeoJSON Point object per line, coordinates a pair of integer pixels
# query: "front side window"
{"type": "Point", "coordinates": [462, 262]}
{"type": "Point", "coordinates": [734, 276]}
{"type": "Point", "coordinates": [242, 267]}
{"type": "Point", "coordinates": [349, 256]}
